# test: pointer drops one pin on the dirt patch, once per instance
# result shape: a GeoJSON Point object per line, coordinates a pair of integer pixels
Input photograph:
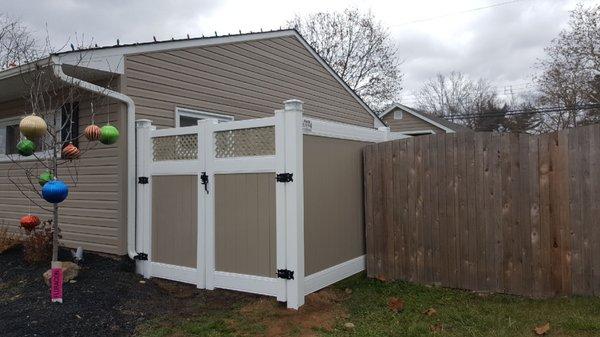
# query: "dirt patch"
{"type": "Point", "coordinates": [107, 299]}
{"type": "Point", "coordinates": [321, 312]}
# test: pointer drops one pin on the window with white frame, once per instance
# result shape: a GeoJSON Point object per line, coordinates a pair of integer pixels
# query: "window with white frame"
{"type": "Point", "coordinates": [398, 114]}
{"type": "Point", "coordinates": [190, 117]}
{"type": "Point", "coordinates": [10, 134]}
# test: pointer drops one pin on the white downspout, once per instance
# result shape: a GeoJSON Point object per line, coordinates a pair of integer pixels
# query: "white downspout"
{"type": "Point", "coordinates": [131, 187]}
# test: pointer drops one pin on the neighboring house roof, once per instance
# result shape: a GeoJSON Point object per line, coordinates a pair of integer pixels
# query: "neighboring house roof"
{"type": "Point", "coordinates": [437, 121]}
{"type": "Point", "coordinates": [110, 58]}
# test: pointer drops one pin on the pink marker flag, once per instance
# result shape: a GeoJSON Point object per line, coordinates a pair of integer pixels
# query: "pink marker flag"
{"type": "Point", "coordinates": [56, 282]}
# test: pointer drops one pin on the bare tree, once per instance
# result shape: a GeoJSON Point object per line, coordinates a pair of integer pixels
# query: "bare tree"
{"type": "Point", "coordinates": [462, 100]}
{"type": "Point", "coordinates": [359, 49]}
{"type": "Point", "coordinates": [570, 72]}
{"type": "Point", "coordinates": [17, 44]}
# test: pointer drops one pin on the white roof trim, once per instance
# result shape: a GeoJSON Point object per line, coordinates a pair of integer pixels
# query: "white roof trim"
{"type": "Point", "coordinates": [414, 132]}
{"type": "Point", "coordinates": [112, 59]}
{"type": "Point", "coordinates": [418, 115]}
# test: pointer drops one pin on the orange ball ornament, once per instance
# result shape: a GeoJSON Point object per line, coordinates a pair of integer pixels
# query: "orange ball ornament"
{"type": "Point", "coordinates": [92, 132]}
{"type": "Point", "coordinates": [71, 152]}
{"type": "Point", "coordinates": [30, 222]}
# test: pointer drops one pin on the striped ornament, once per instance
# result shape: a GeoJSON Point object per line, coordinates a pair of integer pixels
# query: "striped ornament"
{"type": "Point", "coordinates": [70, 152]}
{"type": "Point", "coordinates": [92, 132]}
{"type": "Point", "coordinates": [33, 126]}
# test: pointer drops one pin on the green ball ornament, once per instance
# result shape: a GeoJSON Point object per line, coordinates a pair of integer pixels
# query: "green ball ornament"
{"type": "Point", "coordinates": [45, 177]}
{"type": "Point", "coordinates": [26, 147]}
{"type": "Point", "coordinates": [108, 134]}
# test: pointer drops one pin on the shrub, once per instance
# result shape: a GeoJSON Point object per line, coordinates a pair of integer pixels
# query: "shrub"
{"type": "Point", "coordinates": [8, 239]}
{"type": "Point", "coordinates": [37, 245]}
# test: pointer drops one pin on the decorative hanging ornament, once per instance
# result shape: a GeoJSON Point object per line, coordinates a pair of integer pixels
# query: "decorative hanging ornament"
{"type": "Point", "coordinates": [109, 134]}
{"type": "Point", "coordinates": [45, 177]}
{"type": "Point", "coordinates": [25, 147]}
{"type": "Point", "coordinates": [33, 126]}
{"type": "Point", "coordinates": [30, 222]}
{"type": "Point", "coordinates": [70, 152]}
{"type": "Point", "coordinates": [55, 191]}
{"type": "Point", "coordinates": [92, 132]}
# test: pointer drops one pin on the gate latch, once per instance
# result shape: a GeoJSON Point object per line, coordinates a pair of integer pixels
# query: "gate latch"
{"type": "Point", "coordinates": [142, 180]}
{"type": "Point", "coordinates": [285, 177]}
{"type": "Point", "coordinates": [204, 181]}
{"type": "Point", "coordinates": [285, 274]}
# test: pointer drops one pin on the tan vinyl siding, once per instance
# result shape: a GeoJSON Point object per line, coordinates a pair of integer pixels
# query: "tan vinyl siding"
{"type": "Point", "coordinates": [244, 80]}
{"type": "Point", "coordinates": [334, 230]}
{"type": "Point", "coordinates": [93, 215]}
{"type": "Point", "coordinates": [245, 223]}
{"type": "Point", "coordinates": [409, 123]}
{"type": "Point", "coordinates": [175, 219]}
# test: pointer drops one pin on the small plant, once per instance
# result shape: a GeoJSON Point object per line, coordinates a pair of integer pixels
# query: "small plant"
{"type": "Point", "coordinates": [8, 239]}
{"type": "Point", "coordinates": [37, 245]}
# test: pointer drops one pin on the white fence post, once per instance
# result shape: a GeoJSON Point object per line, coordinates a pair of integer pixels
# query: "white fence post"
{"type": "Point", "coordinates": [294, 201]}
{"type": "Point", "coordinates": [144, 202]}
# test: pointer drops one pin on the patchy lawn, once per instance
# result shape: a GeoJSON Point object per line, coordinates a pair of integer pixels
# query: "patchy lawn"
{"type": "Point", "coordinates": [366, 305]}
{"type": "Point", "coordinates": [109, 300]}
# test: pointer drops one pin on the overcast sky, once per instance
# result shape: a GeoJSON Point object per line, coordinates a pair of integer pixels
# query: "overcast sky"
{"type": "Point", "coordinates": [501, 43]}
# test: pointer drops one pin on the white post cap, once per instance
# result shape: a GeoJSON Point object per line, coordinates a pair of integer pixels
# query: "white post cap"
{"type": "Point", "coordinates": [143, 123]}
{"type": "Point", "coordinates": [293, 104]}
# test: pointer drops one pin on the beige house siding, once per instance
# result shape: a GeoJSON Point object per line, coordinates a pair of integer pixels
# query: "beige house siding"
{"type": "Point", "coordinates": [245, 223]}
{"type": "Point", "coordinates": [334, 229]}
{"type": "Point", "coordinates": [175, 219]}
{"type": "Point", "coordinates": [93, 216]}
{"type": "Point", "coordinates": [409, 123]}
{"type": "Point", "coordinates": [245, 80]}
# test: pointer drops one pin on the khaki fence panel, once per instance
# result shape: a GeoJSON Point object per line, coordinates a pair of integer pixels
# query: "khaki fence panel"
{"type": "Point", "coordinates": [510, 213]}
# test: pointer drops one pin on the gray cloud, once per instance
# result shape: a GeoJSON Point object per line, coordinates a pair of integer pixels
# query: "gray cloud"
{"type": "Point", "coordinates": [500, 43]}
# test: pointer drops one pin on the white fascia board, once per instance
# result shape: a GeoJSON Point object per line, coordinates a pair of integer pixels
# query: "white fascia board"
{"type": "Point", "coordinates": [112, 58]}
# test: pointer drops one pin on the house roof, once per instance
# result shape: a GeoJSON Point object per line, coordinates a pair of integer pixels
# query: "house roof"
{"type": "Point", "coordinates": [440, 122]}
{"type": "Point", "coordinates": [110, 58]}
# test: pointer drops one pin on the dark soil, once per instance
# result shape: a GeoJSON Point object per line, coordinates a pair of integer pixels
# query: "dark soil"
{"type": "Point", "coordinates": [107, 299]}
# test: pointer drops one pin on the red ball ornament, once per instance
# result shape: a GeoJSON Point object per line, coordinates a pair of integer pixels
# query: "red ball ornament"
{"type": "Point", "coordinates": [30, 222]}
{"type": "Point", "coordinates": [70, 152]}
{"type": "Point", "coordinates": [92, 132]}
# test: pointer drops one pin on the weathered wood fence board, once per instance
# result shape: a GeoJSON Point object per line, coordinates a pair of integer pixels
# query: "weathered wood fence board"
{"type": "Point", "coordinates": [511, 213]}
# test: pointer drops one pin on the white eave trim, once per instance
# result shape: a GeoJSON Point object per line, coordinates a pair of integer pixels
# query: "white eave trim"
{"type": "Point", "coordinates": [418, 115]}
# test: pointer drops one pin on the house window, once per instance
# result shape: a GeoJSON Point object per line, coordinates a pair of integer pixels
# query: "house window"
{"type": "Point", "coordinates": [189, 117]}
{"type": "Point", "coordinates": [397, 114]}
{"type": "Point", "coordinates": [10, 134]}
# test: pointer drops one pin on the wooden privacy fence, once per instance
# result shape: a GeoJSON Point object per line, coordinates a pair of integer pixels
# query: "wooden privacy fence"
{"type": "Point", "coordinates": [510, 213]}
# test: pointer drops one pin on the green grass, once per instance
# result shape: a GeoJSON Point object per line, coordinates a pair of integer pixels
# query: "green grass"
{"type": "Point", "coordinates": [461, 313]}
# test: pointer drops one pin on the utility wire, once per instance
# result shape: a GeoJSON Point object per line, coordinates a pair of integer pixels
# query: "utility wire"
{"type": "Point", "coordinates": [456, 13]}
{"type": "Point", "coordinates": [517, 112]}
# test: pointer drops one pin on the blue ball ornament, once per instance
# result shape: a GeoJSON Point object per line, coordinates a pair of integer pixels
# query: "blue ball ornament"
{"type": "Point", "coordinates": [55, 191]}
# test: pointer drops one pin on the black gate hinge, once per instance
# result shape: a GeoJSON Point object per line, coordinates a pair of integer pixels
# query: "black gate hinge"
{"type": "Point", "coordinates": [142, 180]}
{"type": "Point", "coordinates": [285, 177]}
{"type": "Point", "coordinates": [285, 274]}
{"type": "Point", "coordinates": [141, 257]}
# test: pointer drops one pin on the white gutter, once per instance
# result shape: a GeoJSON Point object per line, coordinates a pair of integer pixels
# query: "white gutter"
{"type": "Point", "coordinates": [131, 187]}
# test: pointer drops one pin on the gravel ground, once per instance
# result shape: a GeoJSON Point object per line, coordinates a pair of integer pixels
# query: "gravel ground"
{"type": "Point", "coordinates": [107, 299]}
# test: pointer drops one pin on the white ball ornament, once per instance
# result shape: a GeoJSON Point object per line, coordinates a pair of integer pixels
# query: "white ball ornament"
{"type": "Point", "coordinates": [33, 126]}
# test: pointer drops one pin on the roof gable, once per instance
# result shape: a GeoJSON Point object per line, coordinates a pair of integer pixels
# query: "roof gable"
{"type": "Point", "coordinates": [439, 122]}
{"type": "Point", "coordinates": [111, 58]}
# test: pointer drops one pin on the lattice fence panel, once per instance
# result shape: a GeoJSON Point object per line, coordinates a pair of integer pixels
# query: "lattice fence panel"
{"type": "Point", "coordinates": [245, 142]}
{"type": "Point", "coordinates": [182, 147]}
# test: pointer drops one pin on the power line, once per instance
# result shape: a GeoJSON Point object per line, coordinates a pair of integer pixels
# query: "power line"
{"type": "Point", "coordinates": [456, 13]}
{"type": "Point", "coordinates": [516, 112]}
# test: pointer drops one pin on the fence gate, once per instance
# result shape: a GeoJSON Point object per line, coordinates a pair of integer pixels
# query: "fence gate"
{"type": "Point", "coordinates": [215, 207]}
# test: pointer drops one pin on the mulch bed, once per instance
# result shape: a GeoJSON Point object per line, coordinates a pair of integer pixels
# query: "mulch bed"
{"type": "Point", "coordinates": [107, 299]}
